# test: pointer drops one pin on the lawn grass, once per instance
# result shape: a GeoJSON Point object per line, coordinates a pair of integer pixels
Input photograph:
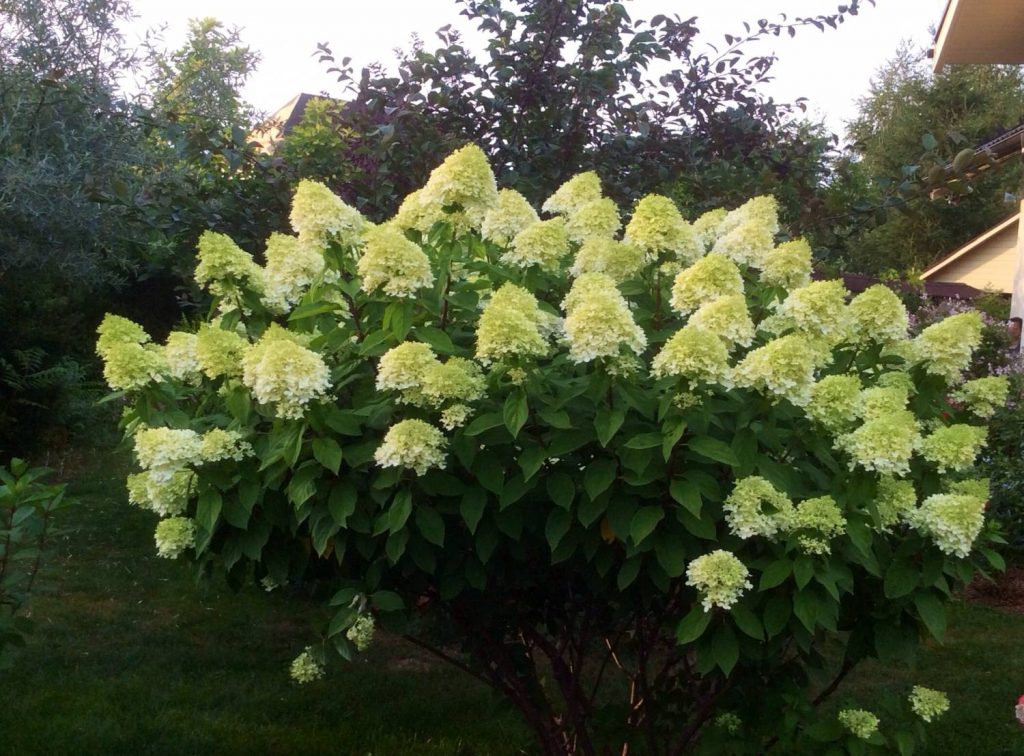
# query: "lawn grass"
{"type": "Point", "coordinates": [130, 657]}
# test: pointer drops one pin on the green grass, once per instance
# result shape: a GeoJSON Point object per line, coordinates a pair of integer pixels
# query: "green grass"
{"type": "Point", "coordinates": [129, 657]}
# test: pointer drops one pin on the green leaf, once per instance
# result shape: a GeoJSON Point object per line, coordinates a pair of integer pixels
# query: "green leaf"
{"type": "Point", "coordinates": [556, 418]}
{"type": "Point", "coordinates": [645, 441]}
{"type": "Point", "coordinates": [430, 524]}
{"type": "Point", "coordinates": [725, 648]}
{"type": "Point", "coordinates": [670, 554]}
{"type": "Point", "coordinates": [208, 509]}
{"type": "Point", "coordinates": [327, 452]}
{"type": "Point", "coordinates": [436, 338]}
{"type": "Point", "coordinates": [628, 572]}
{"type": "Point", "coordinates": [644, 522]}
{"type": "Point", "coordinates": [775, 574]}
{"type": "Point", "coordinates": [387, 601]}
{"type": "Point", "coordinates": [671, 437]}
{"type": "Point", "coordinates": [395, 546]}
{"type": "Point", "coordinates": [687, 494]}
{"type": "Point", "coordinates": [929, 142]}
{"type": "Point", "coordinates": [607, 423]}
{"type": "Point", "coordinates": [693, 625]}
{"type": "Point", "coordinates": [342, 501]}
{"type": "Point", "coordinates": [531, 460]}
{"type": "Point", "coordinates": [558, 524]}
{"type": "Point", "coordinates": [900, 579]}
{"type": "Point", "coordinates": [713, 449]}
{"type": "Point", "coordinates": [303, 484]}
{"type": "Point", "coordinates": [401, 508]}
{"type": "Point", "coordinates": [561, 489]}
{"type": "Point", "coordinates": [933, 613]}
{"type": "Point", "coordinates": [776, 615]}
{"type": "Point", "coordinates": [598, 477]}
{"type": "Point", "coordinates": [803, 571]}
{"type": "Point", "coordinates": [472, 507]}
{"type": "Point", "coordinates": [516, 411]}
{"type": "Point", "coordinates": [805, 607]}
{"type": "Point", "coordinates": [747, 621]}
{"type": "Point", "coordinates": [483, 423]}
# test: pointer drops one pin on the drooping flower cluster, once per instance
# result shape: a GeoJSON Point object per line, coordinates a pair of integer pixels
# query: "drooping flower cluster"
{"type": "Point", "coordinates": [954, 447]}
{"type": "Point", "coordinates": [306, 668]}
{"type": "Point", "coordinates": [510, 215]}
{"type": "Point", "coordinates": [283, 373]}
{"type": "Point", "coordinates": [509, 327]}
{"type": "Point", "coordinates": [946, 347]}
{"type": "Point", "coordinates": [413, 444]}
{"type": "Point", "coordinates": [617, 260]}
{"type": "Point", "coordinates": [756, 508]}
{"type": "Point", "coordinates": [544, 244]}
{"type": "Point", "coordinates": [218, 444]}
{"type": "Point", "coordinates": [165, 451]}
{"type": "Point", "coordinates": [951, 520]}
{"type": "Point", "coordinates": [174, 535]}
{"type": "Point", "coordinates": [860, 723]}
{"type": "Point", "coordinates": [695, 355]}
{"type": "Point", "coordinates": [833, 402]}
{"type": "Point", "coordinates": [163, 495]}
{"type": "Point", "coordinates": [361, 632]}
{"type": "Point", "coordinates": [658, 228]}
{"type": "Point", "coordinates": [598, 321]}
{"type": "Point", "coordinates": [319, 217]}
{"type": "Point", "coordinates": [895, 499]}
{"type": "Point", "coordinates": [927, 703]}
{"type": "Point", "coordinates": [709, 278]}
{"type": "Point", "coordinates": [720, 577]}
{"type": "Point", "coordinates": [817, 521]}
{"type": "Point", "coordinates": [983, 396]}
{"type": "Point", "coordinates": [224, 267]}
{"type": "Point", "coordinates": [394, 264]}
{"type": "Point", "coordinates": [877, 314]}
{"type": "Point", "coordinates": [130, 362]}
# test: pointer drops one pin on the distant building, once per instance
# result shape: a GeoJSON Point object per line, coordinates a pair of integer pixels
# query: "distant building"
{"type": "Point", "coordinates": [281, 123]}
{"type": "Point", "coordinates": [986, 31]}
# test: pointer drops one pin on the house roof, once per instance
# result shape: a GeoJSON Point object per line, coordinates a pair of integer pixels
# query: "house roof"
{"type": "Point", "coordinates": [970, 246]}
{"type": "Point", "coordinates": [284, 120]}
{"type": "Point", "coordinates": [855, 283]}
{"type": "Point", "coordinates": [980, 31]}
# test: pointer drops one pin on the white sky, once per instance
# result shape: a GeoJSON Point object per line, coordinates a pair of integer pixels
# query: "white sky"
{"type": "Point", "coordinates": [831, 69]}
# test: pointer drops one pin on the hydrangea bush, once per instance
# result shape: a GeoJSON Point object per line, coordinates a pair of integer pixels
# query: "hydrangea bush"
{"type": "Point", "coordinates": [640, 475]}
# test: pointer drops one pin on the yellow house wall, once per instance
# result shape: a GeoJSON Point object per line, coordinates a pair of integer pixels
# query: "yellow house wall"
{"type": "Point", "coordinates": [990, 265]}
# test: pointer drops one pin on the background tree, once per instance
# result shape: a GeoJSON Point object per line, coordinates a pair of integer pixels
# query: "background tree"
{"type": "Point", "coordinates": [911, 125]}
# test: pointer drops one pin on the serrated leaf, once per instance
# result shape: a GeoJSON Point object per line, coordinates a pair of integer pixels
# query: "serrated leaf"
{"type": "Point", "coordinates": [671, 437]}
{"type": "Point", "coordinates": [687, 494]}
{"type": "Point", "coordinates": [775, 574]}
{"type": "Point", "coordinates": [387, 601]}
{"type": "Point", "coordinates": [901, 578]}
{"type": "Point", "coordinates": [208, 509]}
{"type": "Point", "coordinates": [726, 648]}
{"type": "Point", "coordinates": [693, 625]}
{"type": "Point", "coordinates": [561, 488]}
{"type": "Point", "coordinates": [327, 452]}
{"type": "Point", "coordinates": [398, 513]}
{"type": "Point", "coordinates": [558, 524]}
{"type": "Point", "coordinates": [747, 621]}
{"type": "Point", "coordinates": [515, 412]}
{"type": "Point", "coordinates": [607, 423]}
{"type": "Point", "coordinates": [342, 501]}
{"type": "Point", "coordinates": [472, 507]}
{"type": "Point", "coordinates": [430, 524]}
{"type": "Point", "coordinates": [933, 613]}
{"type": "Point", "coordinates": [599, 476]}
{"type": "Point", "coordinates": [644, 522]}
{"type": "Point", "coordinates": [713, 449]}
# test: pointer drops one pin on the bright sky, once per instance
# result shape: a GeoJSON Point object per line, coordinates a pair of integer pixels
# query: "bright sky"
{"type": "Point", "coordinates": [831, 69]}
